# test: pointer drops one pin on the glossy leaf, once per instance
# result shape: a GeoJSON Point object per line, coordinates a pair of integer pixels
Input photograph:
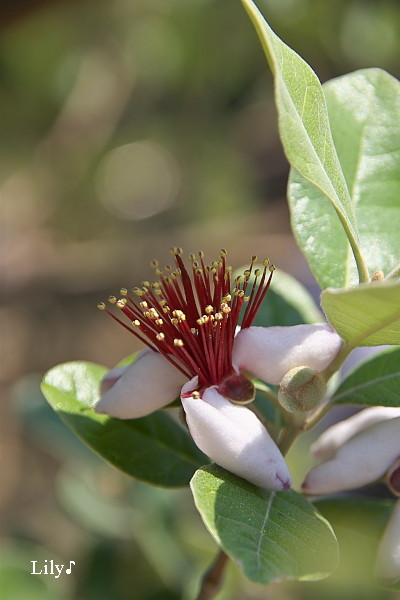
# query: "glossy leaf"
{"type": "Point", "coordinates": [367, 315]}
{"type": "Point", "coordinates": [364, 114]}
{"type": "Point", "coordinates": [154, 449]}
{"type": "Point", "coordinates": [271, 535]}
{"type": "Point", "coordinates": [304, 126]}
{"type": "Point", "coordinates": [374, 382]}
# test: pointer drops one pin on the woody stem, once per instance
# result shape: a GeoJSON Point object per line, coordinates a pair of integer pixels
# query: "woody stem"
{"type": "Point", "coordinates": [212, 580]}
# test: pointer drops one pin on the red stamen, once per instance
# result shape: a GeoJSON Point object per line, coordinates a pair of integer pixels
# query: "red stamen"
{"type": "Point", "coordinates": [192, 319]}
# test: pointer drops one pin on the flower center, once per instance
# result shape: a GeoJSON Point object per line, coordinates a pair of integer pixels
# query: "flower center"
{"type": "Point", "coordinates": [191, 319]}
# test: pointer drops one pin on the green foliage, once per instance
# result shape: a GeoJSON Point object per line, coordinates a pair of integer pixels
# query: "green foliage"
{"type": "Point", "coordinates": [287, 303]}
{"type": "Point", "coordinates": [364, 115]}
{"type": "Point", "coordinates": [272, 535]}
{"type": "Point", "coordinates": [154, 449]}
{"type": "Point", "coordinates": [375, 381]}
{"type": "Point", "coordinates": [368, 315]}
{"type": "Point", "coordinates": [304, 128]}
{"type": "Point", "coordinates": [359, 524]}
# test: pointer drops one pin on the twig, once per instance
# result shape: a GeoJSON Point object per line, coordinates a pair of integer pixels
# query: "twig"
{"type": "Point", "coordinates": [212, 580]}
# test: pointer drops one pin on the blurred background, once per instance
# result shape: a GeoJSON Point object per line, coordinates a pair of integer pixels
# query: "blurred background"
{"type": "Point", "coordinates": [128, 127]}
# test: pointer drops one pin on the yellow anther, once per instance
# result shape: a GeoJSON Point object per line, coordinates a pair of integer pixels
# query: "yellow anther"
{"type": "Point", "coordinates": [195, 264]}
{"type": "Point", "coordinates": [200, 254]}
{"type": "Point", "coordinates": [174, 321]}
{"type": "Point", "coordinates": [158, 292]}
{"type": "Point", "coordinates": [112, 299]}
{"type": "Point", "coordinates": [223, 252]}
{"type": "Point", "coordinates": [123, 291]}
{"type": "Point", "coordinates": [247, 273]}
{"type": "Point", "coordinates": [146, 284]}
{"type": "Point", "coordinates": [199, 271]}
{"type": "Point", "coordinates": [225, 308]}
{"type": "Point", "coordinates": [195, 395]}
{"type": "Point", "coordinates": [227, 298]}
{"type": "Point", "coordinates": [254, 259]}
{"type": "Point", "coordinates": [143, 304]}
{"type": "Point", "coordinates": [136, 323]}
{"type": "Point", "coordinates": [154, 263]}
{"type": "Point", "coordinates": [137, 291]}
{"type": "Point", "coordinates": [265, 262]}
{"type": "Point", "coordinates": [121, 302]}
{"type": "Point", "coordinates": [257, 272]}
{"type": "Point", "coordinates": [219, 316]}
{"type": "Point", "coordinates": [272, 268]}
{"type": "Point", "coordinates": [101, 306]}
{"type": "Point", "coordinates": [209, 309]}
{"type": "Point", "coordinates": [246, 298]}
{"type": "Point", "coordinates": [158, 272]}
{"type": "Point", "coordinates": [160, 336]}
{"type": "Point", "coordinates": [166, 309]}
{"type": "Point", "coordinates": [192, 257]}
{"type": "Point", "coordinates": [163, 302]}
{"type": "Point", "coordinates": [159, 322]}
{"type": "Point", "coordinates": [156, 285]}
{"type": "Point", "coordinates": [178, 342]}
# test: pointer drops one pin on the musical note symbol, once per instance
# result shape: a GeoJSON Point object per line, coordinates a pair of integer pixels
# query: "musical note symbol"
{"type": "Point", "coordinates": [68, 571]}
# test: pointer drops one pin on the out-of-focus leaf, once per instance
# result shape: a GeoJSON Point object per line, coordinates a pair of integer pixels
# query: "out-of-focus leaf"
{"type": "Point", "coordinates": [367, 315]}
{"type": "Point", "coordinates": [359, 524]}
{"type": "Point", "coordinates": [375, 382]}
{"type": "Point", "coordinates": [287, 303]}
{"type": "Point", "coordinates": [305, 130]}
{"type": "Point", "coordinates": [364, 114]}
{"type": "Point", "coordinates": [271, 535]}
{"type": "Point", "coordinates": [154, 449]}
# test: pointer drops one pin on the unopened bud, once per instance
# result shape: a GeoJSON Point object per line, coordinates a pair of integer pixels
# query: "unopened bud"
{"type": "Point", "coordinates": [301, 390]}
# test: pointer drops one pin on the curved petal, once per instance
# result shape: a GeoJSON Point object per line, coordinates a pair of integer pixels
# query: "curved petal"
{"type": "Point", "coordinates": [363, 459]}
{"type": "Point", "coordinates": [111, 378]}
{"type": "Point", "coordinates": [235, 439]}
{"type": "Point", "coordinates": [150, 383]}
{"type": "Point", "coordinates": [387, 564]}
{"type": "Point", "coordinates": [334, 437]}
{"type": "Point", "coordinates": [270, 352]}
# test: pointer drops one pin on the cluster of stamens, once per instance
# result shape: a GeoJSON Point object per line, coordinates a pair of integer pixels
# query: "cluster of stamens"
{"type": "Point", "coordinates": [192, 319]}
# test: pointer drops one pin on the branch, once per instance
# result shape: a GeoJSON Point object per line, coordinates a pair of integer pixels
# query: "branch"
{"type": "Point", "coordinates": [212, 580]}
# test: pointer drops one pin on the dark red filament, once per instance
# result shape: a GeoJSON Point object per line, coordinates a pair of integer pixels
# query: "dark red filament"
{"type": "Point", "coordinates": [191, 318]}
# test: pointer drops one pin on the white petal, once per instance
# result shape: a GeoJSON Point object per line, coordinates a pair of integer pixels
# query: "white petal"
{"type": "Point", "coordinates": [363, 459]}
{"type": "Point", "coordinates": [338, 434]}
{"type": "Point", "coordinates": [270, 352]}
{"type": "Point", "coordinates": [234, 438]}
{"type": "Point", "coordinates": [150, 383]}
{"type": "Point", "coordinates": [388, 560]}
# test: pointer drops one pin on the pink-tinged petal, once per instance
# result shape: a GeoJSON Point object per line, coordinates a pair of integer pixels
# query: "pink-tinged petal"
{"type": "Point", "coordinates": [387, 564]}
{"type": "Point", "coordinates": [111, 378]}
{"type": "Point", "coordinates": [363, 459]}
{"type": "Point", "coordinates": [270, 352]}
{"type": "Point", "coordinates": [150, 383]}
{"type": "Point", "coordinates": [235, 439]}
{"type": "Point", "coordinates": [334, 437]}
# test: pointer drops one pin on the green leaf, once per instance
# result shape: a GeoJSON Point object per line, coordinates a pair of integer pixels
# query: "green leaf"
{"type": "Point", "coordinates": [368, 315]}
{"type": "Point", "coordinates": [304, 126]}
{"type": "Point", "coordinates": [154, 449]}
{"type": "Point", "coordinates": [364, 114]}
{"type": "Point", "coordinates": [271, 535]}
{"type": "Point", "coordinates": [374, 382]}
{"type": "Point", "coordinates": [287, 303]}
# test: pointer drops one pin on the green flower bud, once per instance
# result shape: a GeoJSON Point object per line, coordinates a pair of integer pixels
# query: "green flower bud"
{"type": "Point", "coordinates": [301, 390]}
